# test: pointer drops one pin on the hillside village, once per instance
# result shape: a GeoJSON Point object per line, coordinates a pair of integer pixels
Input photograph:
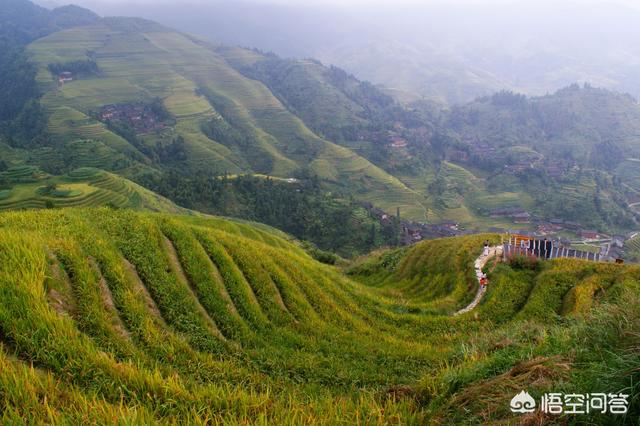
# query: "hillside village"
{"type": "Point", "coordinates": [565, 234]}
{"type": "Point", "coordinates": [138, 116]}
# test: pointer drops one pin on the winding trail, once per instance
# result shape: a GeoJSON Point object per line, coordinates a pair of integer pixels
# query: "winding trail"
{"type": "Point", "coordinates": [479, 264]}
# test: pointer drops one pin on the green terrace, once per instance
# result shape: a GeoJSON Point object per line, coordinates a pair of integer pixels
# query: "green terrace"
{"type": "Point", "coordinates": [145, 318]}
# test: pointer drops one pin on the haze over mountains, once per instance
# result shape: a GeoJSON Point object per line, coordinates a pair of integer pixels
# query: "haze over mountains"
{"type": "Point", "coordinates": [446, 52]}
{"type": "Point", "coordinates": [174, 112]}
{"type": "Point", "coordinates": [314, 300]}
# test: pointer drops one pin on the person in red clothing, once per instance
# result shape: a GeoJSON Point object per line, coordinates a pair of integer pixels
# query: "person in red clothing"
{"type": "Point", "coordinates": [483, 281]}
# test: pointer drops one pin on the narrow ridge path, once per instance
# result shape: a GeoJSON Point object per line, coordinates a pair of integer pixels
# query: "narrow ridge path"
{"type": "Point", "coordinates": [479, 264]}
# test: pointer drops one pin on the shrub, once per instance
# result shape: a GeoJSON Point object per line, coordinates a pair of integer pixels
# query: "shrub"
{"type": "Point", "coordinates": [522, 262]}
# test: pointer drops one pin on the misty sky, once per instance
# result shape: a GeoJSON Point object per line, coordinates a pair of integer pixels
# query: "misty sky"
{"type": "Point", "coordinates": [465, 48]}
{"type": "Point", "coordinates": [631, 3]}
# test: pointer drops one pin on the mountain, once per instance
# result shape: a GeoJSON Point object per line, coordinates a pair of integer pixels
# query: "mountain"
{"type": "Point", "coordinates": [335, 104]}
{"type": "Point", "coordinates": [23, 21]}
{"type": "Point", "coordinates": [21, 118]}
{"type": "Point", "coordinates": [150, 318]}
{"type": "Point", "coordinates": [449, 52]}
{"type": "Point", "coordinates": [174, 113]}
{"type": "Point", "coordinates": [200, 114]}
{"type": "Point", "coordinates": [573, 151]}
{"type": "Point", "coordinates": [584, 125]}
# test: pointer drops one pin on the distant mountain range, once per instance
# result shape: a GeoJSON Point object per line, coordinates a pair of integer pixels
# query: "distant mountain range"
{"type": "Point", "coordinates": [449, 53]}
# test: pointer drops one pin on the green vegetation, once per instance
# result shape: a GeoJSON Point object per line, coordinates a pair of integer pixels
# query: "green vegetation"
{"type": "Point", "coordinates": [22, 119]}
{"type": "Point", "coordinates": [221, 110]}
{"type": "Point", "coordinates": [550, 139]}
{"type": "Point", "coordinates": [28, 188]}
{"type": "Point", "coordinates": [632, 249]}
{"type": "Point", "coordinates": [152, 318]}
{"type": "Point", "coordinates": [219, 120]}
{"type": "Point", "coordinates": [300, 207]}
{"type": "Point", "coordinates": [568, 155]}
{"type": "Point", "coordinates": [111, 315]}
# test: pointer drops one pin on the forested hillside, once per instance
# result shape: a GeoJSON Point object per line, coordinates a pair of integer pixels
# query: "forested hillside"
{"type": "Point", "coordinates": [501, 152]}
{"type": "Point", "coordinates": [300, 207]}
{"type": "Point", "coordinates": [573, 151]}
{"type": "Point", "coordinates": [579, 125]}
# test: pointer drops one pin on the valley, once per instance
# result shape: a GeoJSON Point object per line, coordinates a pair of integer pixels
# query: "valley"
{"type": "Point", "coordinates": [200, 233]}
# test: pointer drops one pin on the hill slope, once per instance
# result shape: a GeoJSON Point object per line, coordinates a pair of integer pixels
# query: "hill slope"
{"type": "Point", "coordinates": [568, 155]}
{"type": "Point", "coordinates": [28, 188]}
{"type": "Point", "coordinates": [215, 119]}
{"type": "Point", "coordinates": [153, 318]}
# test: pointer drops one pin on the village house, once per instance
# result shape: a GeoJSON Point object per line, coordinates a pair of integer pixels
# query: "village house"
{"type": "Point", "coordinates": [565, 242]}
{"type": "Point", "coordinates": [458, 156]}
{"type": "Point", "coordinates": [555, 171]}
{"type": "Point", "coordinates": [615, 253]}
{"type": "Point", "coordinates": [137, 115]}
{"type": "Point", "coordinates": [65, 76]}
{"type": "Point", "coordinates": [589, 234]}
{"type": "Point", "coordinates": [450, 224]}
{"type": "Point", "coordinates": [518, 167]}
{"type": "Point", "coordinates": [413, 231]}
{"type": "Point", "coordinates": [480, 149]}
{"type": "Point", "coordinates": [618, 241]}
{"type": "Point", "coordinates": [398, 142]}
{"type": "Point", "coordinates": [547, 228]}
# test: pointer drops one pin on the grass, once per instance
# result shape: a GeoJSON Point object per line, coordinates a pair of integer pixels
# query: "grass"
{"type": "Point", "coordinates": [84, 187]}
{"type": "Point", "coordinates": [155, 318]}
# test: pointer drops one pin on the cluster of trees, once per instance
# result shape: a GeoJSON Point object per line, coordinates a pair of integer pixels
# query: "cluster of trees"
{"type": "Point", "coordinates": [604, 207]}
{"type": "Point", "coordinates": [302, 209]}
{"type": "Point", "coordinates": [79, 68]}
{"type": "Point", "coordinates": [165, 154]}
{"type": "Point", "coordinates": [174, 152]}
{"type": "Point", "coordinates": [22, 120]}
{"type": "Point", "coordinates": [219, 130]}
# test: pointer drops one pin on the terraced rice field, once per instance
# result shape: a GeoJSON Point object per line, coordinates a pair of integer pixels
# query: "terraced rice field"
{"type": "Point", "coordinates": [139, 61]}
{"type": "Point", "coordinates": [466, 198]}
{"type": "Point", "coordinates": [87, 188]}
{"type": "Point", "coordinates": [141, 318]}
{"type": "Point", "coordinates": [629, 172]}
{"type": "Point", "coordinates": [632, 249]}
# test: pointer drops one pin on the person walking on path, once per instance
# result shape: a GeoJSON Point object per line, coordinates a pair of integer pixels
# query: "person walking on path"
{"type": "Point", "coordinates": [483, 281]}
{"type": "Point", "coordinates": [482, 278]}
{"type": "Point", "coordinates": [486, 248]}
